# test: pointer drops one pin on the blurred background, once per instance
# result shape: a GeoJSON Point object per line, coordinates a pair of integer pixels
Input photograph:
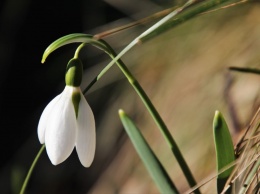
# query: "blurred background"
{"type": "Point", "coordinates": [184, 71]}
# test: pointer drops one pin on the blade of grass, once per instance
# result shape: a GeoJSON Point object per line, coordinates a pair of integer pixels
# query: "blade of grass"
{"type": "Point", "coordinates": [159, 15]}
{"type": "Point", "coordinates": [151, 162]}
{"type": "Point", "coordinates": [190, 13]}
{"type": "Point", "coordinates": [253, 172]}
{"type": "Point", "coordinates": [224, 150]}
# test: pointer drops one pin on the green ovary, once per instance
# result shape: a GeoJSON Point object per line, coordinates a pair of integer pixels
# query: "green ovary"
{"type": "Point", "coordinates": [74, 72]}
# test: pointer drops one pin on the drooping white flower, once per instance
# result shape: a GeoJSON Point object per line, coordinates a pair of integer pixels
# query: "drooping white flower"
{"type": "Point", "coordinates": [68, 122]}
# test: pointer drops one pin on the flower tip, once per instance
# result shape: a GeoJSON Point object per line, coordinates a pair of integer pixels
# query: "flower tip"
{"type": "Point", "coordinates": [41, 140]}
{"type": "Point", "coordinates": [54, 163]}
{"type": "Point", "coordinates": [87, 160]}
{"type": "Point", "coordinates": [54, 160]}
{"type": "Point", "coordinates": [87, 165]}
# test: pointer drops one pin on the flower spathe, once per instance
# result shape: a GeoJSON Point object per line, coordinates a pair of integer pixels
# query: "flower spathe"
{"type": "Point", "coordinates": [68, 122]}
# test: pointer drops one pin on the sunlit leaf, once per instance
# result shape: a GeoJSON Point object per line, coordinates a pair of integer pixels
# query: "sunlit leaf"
{"type": "Point", "coordinates": [224, 149]}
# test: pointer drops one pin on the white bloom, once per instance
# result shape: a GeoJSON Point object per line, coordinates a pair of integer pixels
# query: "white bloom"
{"type": "Point", "coordinates": [65, 124]}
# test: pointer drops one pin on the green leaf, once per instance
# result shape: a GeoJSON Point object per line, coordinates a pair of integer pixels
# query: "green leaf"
{"type": "Point", "coordinates": [151, 162]}
{"type": "Point", "coordinates": [224, 149]}
{"type": "Point", "coordinates": [68, 39]}
{"type": "Point", "coordinates": [195, 9]}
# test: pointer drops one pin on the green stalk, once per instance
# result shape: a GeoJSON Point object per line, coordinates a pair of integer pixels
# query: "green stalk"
{"type": "Point", "coordinates": [153, 112]}
{"type": "Point", "coordinates": [25, 183]}
{"type": "Point", "coordinates": [160, 123]}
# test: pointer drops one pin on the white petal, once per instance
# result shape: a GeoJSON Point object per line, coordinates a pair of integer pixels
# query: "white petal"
{"type": "Point", "coordinates": [44, 119]}
{"type": "Point", "coordinates": [60, 133]}
{"type": "Point", "coordinates": [86, 134]}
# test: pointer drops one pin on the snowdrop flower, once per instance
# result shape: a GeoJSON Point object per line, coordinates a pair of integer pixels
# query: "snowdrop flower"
{"type": "Point", "coordinates": [68, 121]}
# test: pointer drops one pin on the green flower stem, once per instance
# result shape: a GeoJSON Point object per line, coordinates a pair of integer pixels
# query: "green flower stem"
{"type": "Point", "coordinates": [160, 123]}
{"type": "Point", "coordinates": [25, 183]}
{"type": "Point", "coordinates": [155, 115]}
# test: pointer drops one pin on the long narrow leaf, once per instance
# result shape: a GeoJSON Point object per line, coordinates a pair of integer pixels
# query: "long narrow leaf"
{"type": "Point", "coordinates": [68, 39]}
{"type": "Point", "coordinates": [191, 13]}
{"type": "Point", "coordinates": [151, 162]}
{"type": "Point", "coordinates": [224, 149]}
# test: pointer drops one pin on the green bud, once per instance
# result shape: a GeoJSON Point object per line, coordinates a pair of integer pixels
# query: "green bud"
{"type": "Point", "coordinates": [74, 72]}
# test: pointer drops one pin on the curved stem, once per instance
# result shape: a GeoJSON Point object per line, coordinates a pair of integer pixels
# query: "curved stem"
{"type": "Point", "coordinates": [76, 55]}
{"type": "Point", "coordinates": [152, 110]}
{"type": "Point", "coordinates": [25, 183]}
